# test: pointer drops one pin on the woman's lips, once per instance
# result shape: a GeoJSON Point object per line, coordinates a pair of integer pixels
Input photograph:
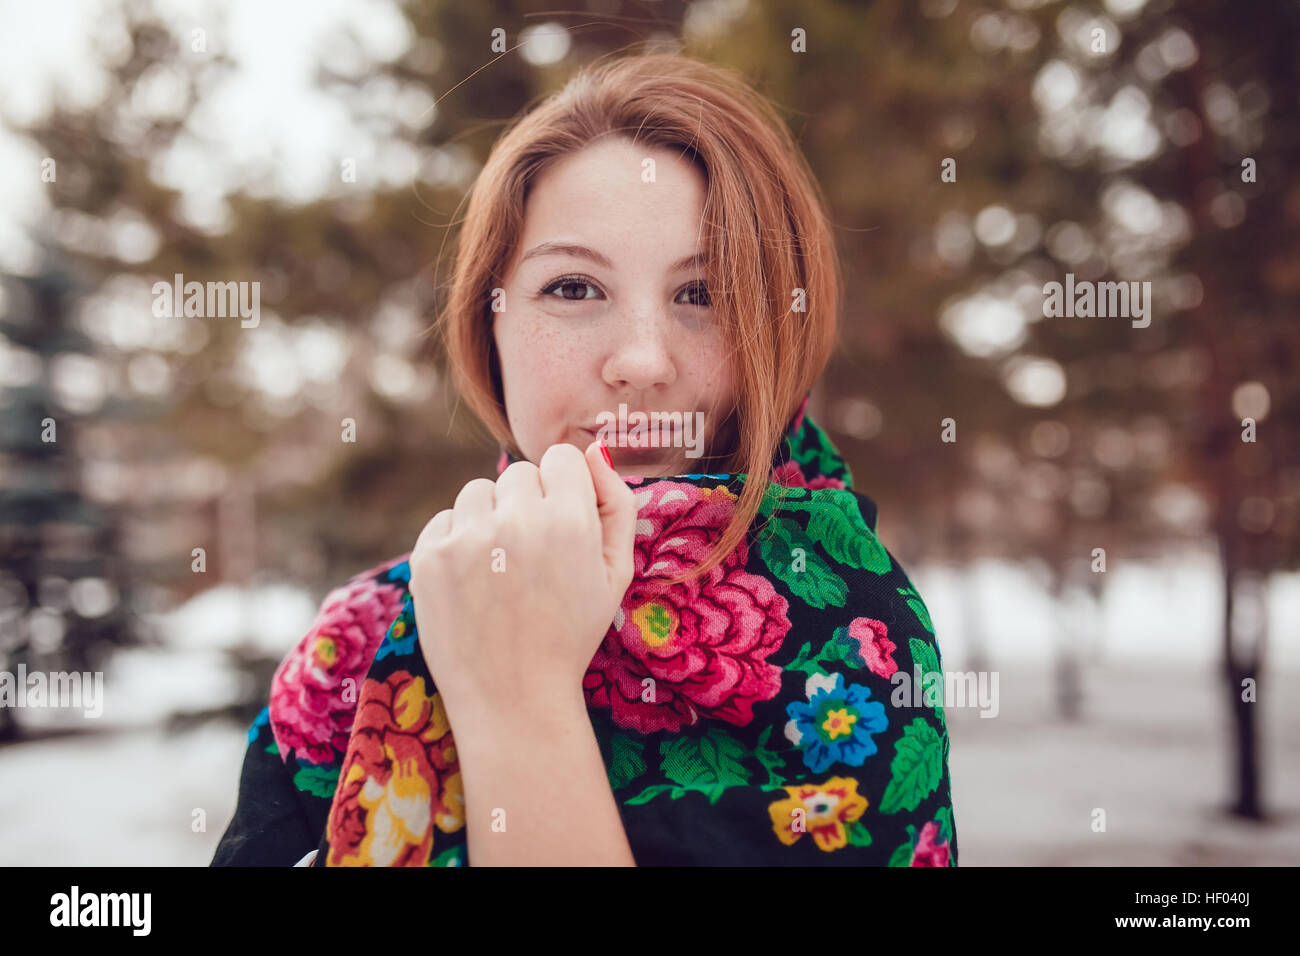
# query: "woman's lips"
{"type": "Point", "coordinates": [628, 451]}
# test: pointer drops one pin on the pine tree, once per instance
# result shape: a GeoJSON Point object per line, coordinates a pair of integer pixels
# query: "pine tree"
{"type": "Point", "coordinates": [68, 591]}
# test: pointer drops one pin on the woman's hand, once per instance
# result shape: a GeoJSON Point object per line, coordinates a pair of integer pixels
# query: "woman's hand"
{"type": "Point", "coordinates": [515, 586]}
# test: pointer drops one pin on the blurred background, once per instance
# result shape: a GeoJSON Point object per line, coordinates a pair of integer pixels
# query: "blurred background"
{"type": "Point", "coordinates": [1113, 531]}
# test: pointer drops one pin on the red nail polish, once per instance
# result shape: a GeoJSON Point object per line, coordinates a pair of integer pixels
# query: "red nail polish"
{"type": "Point", "coordinates": [605, 451]}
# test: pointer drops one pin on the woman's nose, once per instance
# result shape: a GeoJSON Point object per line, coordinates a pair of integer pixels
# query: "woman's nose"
{"type": "Point", "coordinates": [641, 355]}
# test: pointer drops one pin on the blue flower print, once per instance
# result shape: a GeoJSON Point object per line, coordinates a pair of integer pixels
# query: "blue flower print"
{"type": "Point", "coordinates": [836, 724]}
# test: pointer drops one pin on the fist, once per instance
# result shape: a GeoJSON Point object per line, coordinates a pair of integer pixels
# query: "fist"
{"type": "Point", "coordinates": [516, 585]}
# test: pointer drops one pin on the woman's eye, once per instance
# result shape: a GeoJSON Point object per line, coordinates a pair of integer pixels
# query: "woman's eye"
{"type": "Point", "coordinates": [576, 288]}
{"type": "Point", "coordinates": [700, 290]}
{"type": "Point", "coordinates": [570, 283]}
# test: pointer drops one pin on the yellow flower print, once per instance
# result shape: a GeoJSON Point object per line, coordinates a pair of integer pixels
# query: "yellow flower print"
{"type": "Point", "coordinates": [822, 809]}
{"type": "Point", "coordinates": [398, 814]}
{"type": "Point", "coordinates": [325, 653]}
{"type": "Point", "coordinates": [721, 491]}
{"type": "Point", "coordinates": [656, 623]}
{"type": "Point", "coordinates": [439, 725]}
{"type": "Point", "coordinates": [839, 722]}
{"type": "Point", "coordinates": [452, 816]}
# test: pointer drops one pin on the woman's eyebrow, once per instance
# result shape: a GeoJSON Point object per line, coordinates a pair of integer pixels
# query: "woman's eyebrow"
{"type": "Point", "coordinates": [583, 252]}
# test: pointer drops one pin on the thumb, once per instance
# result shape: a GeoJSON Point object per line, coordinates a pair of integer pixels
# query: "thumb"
{"type": "Point", "coordinates": [616, 505]}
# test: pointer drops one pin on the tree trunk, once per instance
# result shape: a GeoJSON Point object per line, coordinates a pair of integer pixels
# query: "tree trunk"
{"type": "Point", "coordinates": [1068, 685]}
{"type": "Point", "coordinates": [1239, 666]}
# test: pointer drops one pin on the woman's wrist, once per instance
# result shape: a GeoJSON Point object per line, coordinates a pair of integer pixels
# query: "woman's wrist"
{"type": "Point", "coordinates": [540, 714]}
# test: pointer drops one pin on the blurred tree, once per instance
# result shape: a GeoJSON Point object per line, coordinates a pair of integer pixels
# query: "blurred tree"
{"type": "Point", "coordinates": [1237, 175]}
{"type": "Point", "coordinates": [1183, 103]}
{"type": "Point", "coordinates": [67, 592]}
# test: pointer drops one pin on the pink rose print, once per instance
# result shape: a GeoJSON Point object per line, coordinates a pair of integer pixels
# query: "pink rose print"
{"type": "Point", "coordinates": [926, 852]}
{"type": "Point", "coordinates": [309, 712]}
{"type": "Point", "coordinates": [788, 475]}
{"type": "Point", "coordinates": [876, 649]}
{"type": "Point", "coordinates": [705, 644]}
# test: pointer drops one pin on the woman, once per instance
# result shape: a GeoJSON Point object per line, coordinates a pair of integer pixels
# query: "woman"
{"type": "Point", "coordinates": [639, 659]}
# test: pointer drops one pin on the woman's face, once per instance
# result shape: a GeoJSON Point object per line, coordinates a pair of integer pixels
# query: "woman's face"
{"type": "Point", "coordinates": [601, 308]}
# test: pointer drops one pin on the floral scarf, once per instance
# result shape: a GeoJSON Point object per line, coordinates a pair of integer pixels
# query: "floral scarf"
{"type": "Point", "coordinates": [781, 730]}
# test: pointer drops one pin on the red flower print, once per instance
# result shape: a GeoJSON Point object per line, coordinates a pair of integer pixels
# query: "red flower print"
{"type": "Point", "coordinates": [876, 649]}
{"type": "Point", "coordinates": [311, 708]}
{"type": "Point", "coordinates": [400, 779]}
{"type": "Point", "coordinates": [698, 649]}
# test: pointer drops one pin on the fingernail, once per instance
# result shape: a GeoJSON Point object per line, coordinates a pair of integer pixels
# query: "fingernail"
{"type": "Point", "coordinates": [605, 451]}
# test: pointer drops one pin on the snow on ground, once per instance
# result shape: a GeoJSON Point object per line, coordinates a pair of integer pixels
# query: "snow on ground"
{"type": "Point", "coordinates": [1151, 750]}
{"type": "Point", "coordinates": [142, 686]}
{"type": "Point", "coordinates": [122, 798]}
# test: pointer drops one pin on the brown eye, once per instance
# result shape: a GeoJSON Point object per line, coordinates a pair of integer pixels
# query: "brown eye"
{"type": "Point", "coordinates": [570, 284]}
{"type": "Point", "coordinates": [701, 292]}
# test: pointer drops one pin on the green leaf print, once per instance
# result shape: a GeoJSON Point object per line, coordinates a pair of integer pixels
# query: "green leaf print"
{"type": "Point", "coordinates": [926, 659]}
{"type": "Point", "coordinates": [819, 450]}
{"type": "Point", "coordinates": [319, 781]}
{"type": "Point", "coordinates": [707, 765]}
{"type": "Point", "coordinates": [787, 498]}
{"type": "Point", "coordinates": [804, 660]}
{"type": "Point", "coordinates": [273, 748]}
{"type": "Point", "coordinates": [716, 758]}
{"type": "Point", "coordinates": [840, 649]}
{"type": "Point", "coordinates": [857, 834]}
{"type": "Point", "coordinates": [835, 520]}
{"type": "Point", "coordinates": [649, 793]}
{"type": "Point", "coordinates": [902, 856]}
{"type": "Point", "coordinates": [918, 607]}
{"type": "Point", "coordinates": [944, 816]}
{"type": "Point", "coordinates": [816, 584]}
{"type": "Point", "coordinates": [452, 856]}
{"type": "Point", "coordinates": [626, 761]}
{"type": "Point", "coordinates": [915, 769]}
{"type": "Point", "coordinates": [770, 760]}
